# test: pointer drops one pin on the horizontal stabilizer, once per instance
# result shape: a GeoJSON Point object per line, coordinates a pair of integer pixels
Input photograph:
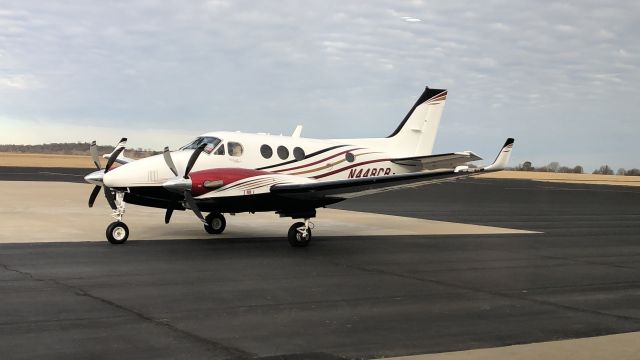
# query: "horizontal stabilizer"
{"type": "Point", "coordinates": [438, 161]}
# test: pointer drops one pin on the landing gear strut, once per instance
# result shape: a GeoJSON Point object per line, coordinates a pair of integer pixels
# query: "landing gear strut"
{"type": "Point", "coordinates": [118, 232]}
{"type": "Point", "coordinates": [300, 234]}
{"type": "Point", "coordinates": [215, 223]}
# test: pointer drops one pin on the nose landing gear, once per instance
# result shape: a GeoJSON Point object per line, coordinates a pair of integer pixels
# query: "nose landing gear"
{"type": "Point", "coordinates": [118, 232]}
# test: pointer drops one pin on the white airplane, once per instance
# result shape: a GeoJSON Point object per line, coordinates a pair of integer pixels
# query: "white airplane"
{"type": "Point", "coordinates": [233, 172]}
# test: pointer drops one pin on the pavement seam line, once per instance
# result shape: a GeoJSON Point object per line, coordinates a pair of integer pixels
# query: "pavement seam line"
{"type": "Point", "coordinates": [234, 353]}
{"type": "Point", "coordinates": [494, 293]}
{"type": "Point", "coordinates": [580, 261]}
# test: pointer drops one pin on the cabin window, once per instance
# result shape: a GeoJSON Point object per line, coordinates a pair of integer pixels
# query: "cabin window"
{"type": "Point", "coordinates": [349, 157]}
{"type": "Point", "coordinates": [266, 151]}
{"type": "Point", "coordinates": [219, 150]}
{"type": "Point", "coordinates": [298, 153]}
{"type": "Point", "coordinates": [283, 152]}
{"type": "Point", "coordinates": [234, 148]}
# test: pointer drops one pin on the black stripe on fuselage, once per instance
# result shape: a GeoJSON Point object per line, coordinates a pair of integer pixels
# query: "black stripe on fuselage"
{"type": "Point", "coordinates": [305, 158]}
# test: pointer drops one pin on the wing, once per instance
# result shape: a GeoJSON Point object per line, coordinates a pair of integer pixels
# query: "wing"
{"type": "Point", "coordinates": [439, 161]}
{"type": "Point", "coordinates": [364, 186]}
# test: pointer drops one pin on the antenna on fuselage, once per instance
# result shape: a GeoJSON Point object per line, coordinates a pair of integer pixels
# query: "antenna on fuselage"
{"type": "Point", "coordinates": [297, 132]}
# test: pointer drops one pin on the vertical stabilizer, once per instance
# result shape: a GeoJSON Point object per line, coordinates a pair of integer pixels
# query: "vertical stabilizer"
{"type": "Point", "coordinates": [417, 132]}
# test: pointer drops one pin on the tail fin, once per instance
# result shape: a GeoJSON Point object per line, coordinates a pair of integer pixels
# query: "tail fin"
{"type": "Point", "coordinates": [503, 157]}
{"type": "Point", "coordinates": [416, 134]}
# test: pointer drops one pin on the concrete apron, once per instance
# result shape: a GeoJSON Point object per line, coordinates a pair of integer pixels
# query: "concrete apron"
{"type": "Point", "coordinates": [58, 212]}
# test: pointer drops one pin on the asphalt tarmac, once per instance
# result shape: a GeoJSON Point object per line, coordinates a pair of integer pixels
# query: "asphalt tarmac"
{"type": "Point", "coordinates": [342, 297]}
{"type": "Point", "coordinates": [15, 173]}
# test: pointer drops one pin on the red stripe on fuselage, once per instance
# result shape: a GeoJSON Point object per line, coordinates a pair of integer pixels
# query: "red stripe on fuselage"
{"type": "Point", "coordinates": [227, 175]}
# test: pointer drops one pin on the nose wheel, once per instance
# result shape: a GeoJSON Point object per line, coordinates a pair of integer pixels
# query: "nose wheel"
{"type": "Point", "coordinates": [117, 232]}
{"type": "Point", "coordinates": [300, 234]}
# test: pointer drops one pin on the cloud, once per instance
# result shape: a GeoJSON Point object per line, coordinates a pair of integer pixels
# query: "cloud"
{"type": "Point", "coordinates": [20, 82]}
{"type": "Point", "coordinates": [343, 68]}
{"type": "Point", "coordinates": [410, 19]}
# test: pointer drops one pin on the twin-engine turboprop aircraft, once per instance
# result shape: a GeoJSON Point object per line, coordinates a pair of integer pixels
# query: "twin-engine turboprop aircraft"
{"type": "Point", "coordinates": [232, 172]}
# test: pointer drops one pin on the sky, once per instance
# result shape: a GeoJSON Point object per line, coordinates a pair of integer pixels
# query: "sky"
{"type": "Point", "coordinates": [560, 76]}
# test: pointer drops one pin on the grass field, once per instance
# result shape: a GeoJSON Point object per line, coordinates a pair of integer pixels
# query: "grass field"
{"type": "Point", "coordinates": [566, 178]}
{"type": "Point", "coordinates": [46, 160]}
{"type": "Point", "coordinates": [82, 161]}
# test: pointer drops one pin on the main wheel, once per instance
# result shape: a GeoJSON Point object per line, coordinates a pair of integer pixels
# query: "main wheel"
{"type": "Point", "coordinates": [296, 237]}
{"type": "Point", "coordinates": [215, 223]}
{"type": "Point", "coordinates": [117, 232]}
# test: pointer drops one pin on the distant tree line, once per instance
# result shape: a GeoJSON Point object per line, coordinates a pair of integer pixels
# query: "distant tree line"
{"type": "Point", "coordinates": [630, 172]}
{"type": "Point", "coordinates": [79, 148]}
{"type": "Point", "coordinates": [551, 167]}
{"type": "Point", "coordinates": [555, 167]}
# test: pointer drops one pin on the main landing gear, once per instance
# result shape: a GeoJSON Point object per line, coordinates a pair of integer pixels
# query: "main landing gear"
{"type": "Point", "coordinates": [300, 234]}
{"type": "Point", "coordinates": [215, 223]}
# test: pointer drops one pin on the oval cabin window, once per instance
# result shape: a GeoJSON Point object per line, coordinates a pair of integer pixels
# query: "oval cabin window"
{"type": "Point", "coordinates": [266, 151]}
{"type": "Point", "coordinates": [298, 153]}
{"type": "Point", "coordinates": [283, 152]}
{"type": "Point", "coordinates": [349, 157]}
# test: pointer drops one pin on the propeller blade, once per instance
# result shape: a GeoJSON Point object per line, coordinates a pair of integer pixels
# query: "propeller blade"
{"type": "Point", "coordinates": [193, 158]}
{"type": "Point", "coordinates": [94, 194]}
{"type": "Point", "coordinates": [167, 215]}
{"type": "Point", "coordinates": [169, 161]}
{"type": "Point", "coordinates": [109, 195]}
{"type": "Point", "coordinates": [114, 155]}
{"type": "Point", "coordinates": [93, 149]}
{"type": "Point", "coordinates": [194, 206]}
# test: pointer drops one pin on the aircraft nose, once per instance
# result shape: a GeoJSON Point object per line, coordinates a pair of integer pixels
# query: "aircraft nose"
{"type": "Point", "coordinates": [118, 177]}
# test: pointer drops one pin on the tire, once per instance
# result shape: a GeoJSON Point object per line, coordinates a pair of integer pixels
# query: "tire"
{"type": "Point", "coordinates": [117, 233]}
{"type": "Point", "coordinates": [295, 237]}
{"type": "Point", "coordinates": [216, 223]}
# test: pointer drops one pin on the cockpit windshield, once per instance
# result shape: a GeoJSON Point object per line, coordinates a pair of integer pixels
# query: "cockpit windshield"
{"type": "Point", "coordinates": [211, 142]}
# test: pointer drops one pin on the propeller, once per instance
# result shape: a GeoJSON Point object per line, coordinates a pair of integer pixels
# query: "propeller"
{"type": "Point", "coordinates": [182, 185]}
{"type": "Point", "coordinates": [97, 176]}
